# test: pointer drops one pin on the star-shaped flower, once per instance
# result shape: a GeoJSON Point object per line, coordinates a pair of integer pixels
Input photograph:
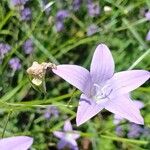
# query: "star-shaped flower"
{"type": "Point", "coordinates": [102, 88]}
{"type": "Point", "coordinates": [68, 137]}
{"type": "Point", "coordinates": [16, 143]}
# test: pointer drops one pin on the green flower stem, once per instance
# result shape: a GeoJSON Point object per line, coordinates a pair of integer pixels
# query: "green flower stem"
{"type": "Point", "coordinates": [7, 119]}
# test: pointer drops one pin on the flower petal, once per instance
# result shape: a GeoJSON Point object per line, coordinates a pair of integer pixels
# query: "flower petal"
{"type": "Point", "coordinates": [125, 108]}
{"type": "Point", "coordinates": [75, 75]}
{"type": "Point", "coordinates": [59, 134]}
{"type": "Point", "coordinates": [102, 65]}
{"type": "Point", "coordinates": [87, 109]}
{"type": "Point", "coordinates": [61, 144]}
{"type": "Point", "coordinates": [75, 135]}
{"type": "Point", "coordinates": [73, 144]}
{"type": "Point", "coordinates": [139, 104]}
{"type": "Point", "coordinates": [16, 143]}
{"type": "Point", "coordinates": [127, 81]}
{"type": "Point", "coordinates": [67, 126]}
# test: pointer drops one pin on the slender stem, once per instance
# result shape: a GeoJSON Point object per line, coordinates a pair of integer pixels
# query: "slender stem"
{"type": "Point", "coordinates": [139, 59]}
{"type": "Point", "coordinates": [6, 123]}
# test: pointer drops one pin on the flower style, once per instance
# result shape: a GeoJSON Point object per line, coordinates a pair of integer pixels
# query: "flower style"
{"type": "Point", "coordinates": [68, 137]}
{"type": "Point", "coordinates": [16, 143]}
{"type": "Point", "coordinates": [102, 88]}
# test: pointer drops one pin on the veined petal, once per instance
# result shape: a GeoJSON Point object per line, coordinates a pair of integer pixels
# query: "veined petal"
{"type": "Point", "coordinates": [125, 108]}
{"type": "Point", "coordinates": [16, 143]}
{"type": "Point", "coordinates": [138, 104]}
{"type": "Point", "coordinates": [127, 81]}
{"type": "Point", "coordinates": [59, 134]}
{"type": "Point", "coordinates": [87, 109]}
{"type": "Point", "coordinates": [75, 75]}
{"type": "Point", "coordinates": [102, 65]}
{"type": "Point", "coordinates": [67, 126]}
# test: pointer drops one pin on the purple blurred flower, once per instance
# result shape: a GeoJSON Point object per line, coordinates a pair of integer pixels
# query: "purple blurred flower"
{"type": "Point", "coordinates": [16, 143]}
{"type": "Point", "coordinates": [147, 15]}
{"type": "Point", "coordinates": [59, 26]}
{"type": "Point", "coordinates": [60, 16]}
{"type": "Point", "coordinates": [18, 2]}
{"type": "Point", "coordinates": [134, 131]}
{"type": "Point", "coordinates": [118, 119]}
{"type": "Point", "coordinates": [102, 88]}
{"type": "Point", "coordinates": [148, 36]}
{"type": "Point", "coordinates": [4, 49]}
{"type": "Point", "coordinates": [68, 137]}
{"type": "Point", "coordinates": [28, 46]}
{"type": "Point", "coordinates": [92, 29]}
{"type": "Point", "coordinates": [119, 131]}
{"type": "Point", "coordinates": [51, 111]}
{"type": "Point", "coordinates": [93, 8]}
{"type": "Point", "coordinates": [26, 14]}
{"type": "Point", "coordinates": [76, 4]}
{"type": "Point", "coordinates": [15, 63]}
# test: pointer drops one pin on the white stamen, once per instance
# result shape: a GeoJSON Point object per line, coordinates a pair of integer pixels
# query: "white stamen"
{"type": "Point", "coordinates": [101, 93]}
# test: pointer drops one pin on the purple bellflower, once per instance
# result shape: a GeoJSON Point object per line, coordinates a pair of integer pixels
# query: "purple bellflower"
{"type": "Point", "coordinates": [135, 131]}
{"type": "Point", "coordinates": [118, 119]}
{"type": "Point", "coordinates": [4, 49]}
{"type": "Point", "coordinates": [93, 8]}
{"type": "Point", "coordinates": [60, 16]}
{"type": "Point", "coordinates": [28, 46]}
{"type": "Point", "coordinates": [102, 88]}
{"type": "Point", "coordinates": [148, 36]}
{"type": "Point", "coordinates": [26, 14]}
{"type": "Point", "coordinates": [15, 63]}
{"type": "Point", "coordinates": [51, 111]}
{"type": "Point", "coordinates": [147, 15]}
{"type": "Point", "coordinates": [68, 137]}
{"type": "Point", "coordinates": [92, 29]}
{"type": "Point", "coordinates": [59, 26]}
{"type": "Point", "coordinates": [16, 143]}
{"type": "Point", "coordinates": [18, 2]}
{"type": "Point", "coordinates": [119, 131]}
{"type": "Point", "coordinates": [76, 4]}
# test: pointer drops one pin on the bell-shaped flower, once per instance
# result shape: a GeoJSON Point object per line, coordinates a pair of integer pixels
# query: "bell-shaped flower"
{"type": "Point", "coordinates": [67, 137]}
{"type": "Point", "coordinates": [16, 143]}
{"type": "Point", "coordinates": [102, 88]}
